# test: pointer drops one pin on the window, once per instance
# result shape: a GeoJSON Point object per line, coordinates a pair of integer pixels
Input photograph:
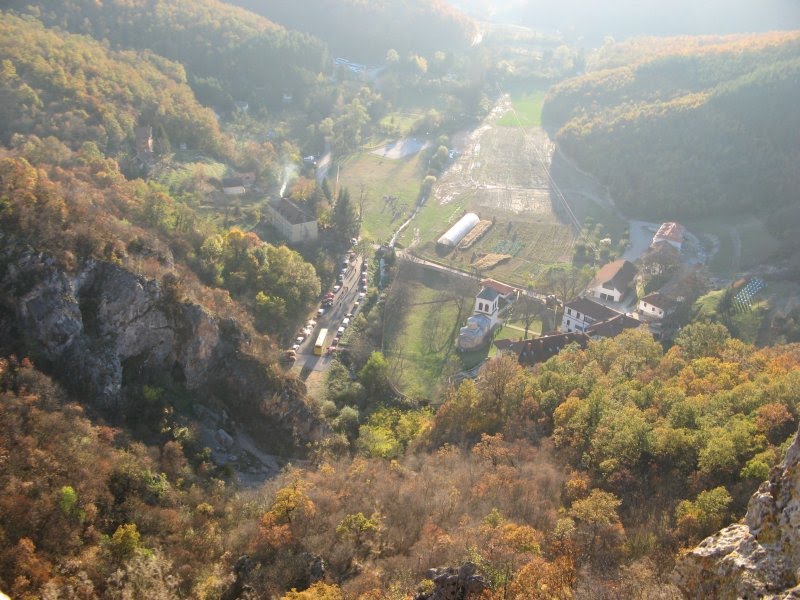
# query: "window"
{"type": "Point", "coordinates": [569, 311]}
{"type": "Point", "coordinates": [567, 322]}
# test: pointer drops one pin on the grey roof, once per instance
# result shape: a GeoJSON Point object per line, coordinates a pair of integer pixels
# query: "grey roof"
{"type": "Point", "coordinates": [290, 211]}
{"type": "Point", "coordinates": [489, 294]}
{"type": "Point", "coordinates": [537, 350]}
{"type": "Point", "coordinates": [613, 327]}
{"type": "Point", "coordinates": [591, 309]}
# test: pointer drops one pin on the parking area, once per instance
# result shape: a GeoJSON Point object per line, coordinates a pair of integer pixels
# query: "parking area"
{"type": "Point", "coordinates": [335, 313]}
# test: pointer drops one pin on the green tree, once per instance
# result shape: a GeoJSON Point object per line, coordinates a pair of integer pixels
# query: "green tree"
{"type": "Point", "coordinates": [360, 530]}
{"type": "Point", "coordinates": [598, 525]}
{"type": "Point", "coordinates": [126, 542]}
{"type": "Point", "coordinates": [708, 513]}
{"type": "Point", "coordinates": [345, 219]}
{"type": "Point", "coordinates": [374, 376]}
{"type": "Point", "coordinates": [702, 339]}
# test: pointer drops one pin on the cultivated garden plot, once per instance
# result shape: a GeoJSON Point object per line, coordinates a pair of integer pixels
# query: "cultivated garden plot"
{"type": "Point", "coordinates": [503, 175]}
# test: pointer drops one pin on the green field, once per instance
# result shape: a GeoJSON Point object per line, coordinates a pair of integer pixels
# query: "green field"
{"type": "Point", "coordinates": [421, 330]}
{"type": "Point", "coordinates": [527, 111]}
{"type": "Point", "coordinates": [378, 177]}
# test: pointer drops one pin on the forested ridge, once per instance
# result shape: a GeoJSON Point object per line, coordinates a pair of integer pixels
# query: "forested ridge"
{"type": "Point", "coordinates": [228, 53]}
{"type": "Point", "coordinates": [685, 129]}
{"type": "Point", "coordinates": [364, 31]}
{"type": "Point", "coordinates": [74, 88]}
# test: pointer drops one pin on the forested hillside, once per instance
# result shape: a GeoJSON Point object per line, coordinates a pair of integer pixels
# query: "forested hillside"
{"type": "Point", "coordinates": [653, 451]}
{"type": "Point", "coordinates": [74, 88]}
{"type": "Point", "coordinates": [679, 128]}
{"type": "Point", "coordinates": [365, 30]}
{"type": "Point", "coordinates": [228, 53]}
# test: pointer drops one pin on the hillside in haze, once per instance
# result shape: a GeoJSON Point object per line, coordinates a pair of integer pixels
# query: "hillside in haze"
{"type": "Point", "coordinates": [364, 31]}
{"type": "Point", "coordinates": [228, 53]}
{"type": "Point", "coordinates": [588, 23]}
{"type": "Point", "coordinates": [680, 128]}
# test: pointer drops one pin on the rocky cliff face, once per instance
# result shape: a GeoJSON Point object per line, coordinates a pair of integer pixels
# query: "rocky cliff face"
{"type": "Point", "coordinates": [758, 558]}
{"type": "Point", "coordinates": [103, 325]}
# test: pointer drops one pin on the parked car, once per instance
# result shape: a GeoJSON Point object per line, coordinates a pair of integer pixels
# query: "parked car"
{"type": "Point", "coordinates": [345, 322]}
{"type": "Point", "coordinates": [339, 331]}
{"type": "Point", "coordinates": [321, 311]}
{"type": "Point", "coordinates": [364, 266]}
{"type": "Point", "coordinates": [296, 347]}
{"type": "Point", "coordinates": [349, 315]}
{"type": "Point", "coordinates": [299, 339]}
{"type": "Point", "coordinates": [336, 288]}
{"type": "Point", "coordinates": [311, 323]}
{"type": "Point", "coordinates": [362, 295]}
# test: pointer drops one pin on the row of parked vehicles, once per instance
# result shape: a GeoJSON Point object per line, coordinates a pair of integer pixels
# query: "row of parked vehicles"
{"type": "Point", "coordinates": [327, 302]}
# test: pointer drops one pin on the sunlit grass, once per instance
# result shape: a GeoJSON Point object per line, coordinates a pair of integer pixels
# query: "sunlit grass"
{"type": "Point", "coordinates": [527, 111]}
{"type": "Point", "coordinates": [376, 177]}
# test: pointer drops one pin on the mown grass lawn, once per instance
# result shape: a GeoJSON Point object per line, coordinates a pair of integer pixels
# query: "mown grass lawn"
{"type": "Point", "coordinates": [377, 177]}
{"type": "Point", "coordinates": [527, 110]}
{"type": "Point", "coordinates": [421, 346]}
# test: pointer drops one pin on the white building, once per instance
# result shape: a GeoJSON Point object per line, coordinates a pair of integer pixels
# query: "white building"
{"type": "Point", "coordinates": [656, 306]}
{"type": "Point", "coordinates": [672, 233]}
{"type": "Point", "coordinates": [613, 281]}
{"type": "Point", "coordinates": [292, 222]}
{"type": "Point", "coordinates": [582, 313]}
{"type": "Point", "coordinates": [487, 302]}
{"type": "Point", "coordinates": [484, 319]}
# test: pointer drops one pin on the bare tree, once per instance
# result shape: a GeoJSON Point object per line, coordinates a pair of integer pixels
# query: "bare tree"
{"type": "Point", "coordinates": [564, 281]}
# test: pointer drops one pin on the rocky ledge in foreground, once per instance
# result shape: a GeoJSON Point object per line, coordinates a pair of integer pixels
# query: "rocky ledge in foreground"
{"type": "Point", "coordinates": [100, 325]}
{"type": "Point", "coordinates": [758, 558]}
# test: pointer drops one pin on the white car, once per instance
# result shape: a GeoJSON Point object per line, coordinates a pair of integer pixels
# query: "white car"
{"type": "Point", "coordinates": [311, 323]}
{"type": "Point", "coordinates": [340, 331]}
{"type": "Point", "coordinates": [345, 322]}
{"type": "Point", "coordinates": [299, 339]}
{"type": "Point", "coordinates": [296, 347]}
{"type": "Point", "coordinates": [336, 288]}
{"type": "Point", "coordinates": [362, 295]}
{"type": "Point", "coordinates": [320, 312]}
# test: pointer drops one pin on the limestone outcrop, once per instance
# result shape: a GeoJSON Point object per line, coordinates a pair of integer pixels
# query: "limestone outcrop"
{"type": "Point", "coordinates": [759, 557]}
{"type": "Point", "coordinates": [463, 583]}
{"type": "Point", "coordinates": [99, 326]}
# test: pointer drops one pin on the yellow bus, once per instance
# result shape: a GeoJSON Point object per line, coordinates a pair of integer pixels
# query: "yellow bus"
{"type": "Point", "coordinates": [320, 345]}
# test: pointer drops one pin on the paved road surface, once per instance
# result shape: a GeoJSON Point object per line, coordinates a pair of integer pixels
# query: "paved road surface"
{"type": "Point", "coordinates": [332, 319]}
